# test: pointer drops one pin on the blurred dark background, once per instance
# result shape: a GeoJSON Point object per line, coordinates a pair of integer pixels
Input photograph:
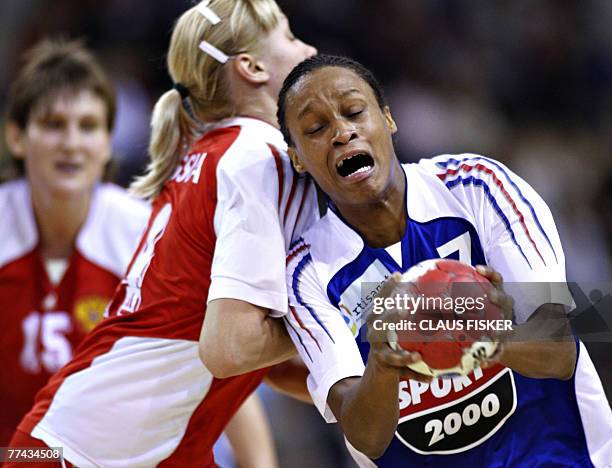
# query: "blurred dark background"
{"type": "Point", "coordinates": [528, 82]}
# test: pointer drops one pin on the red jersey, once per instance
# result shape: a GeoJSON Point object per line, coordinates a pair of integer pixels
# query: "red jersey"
{"type": "Point", "coordinates": [44, 318]}
{"type": "Point", "coordinates": [137, 393]}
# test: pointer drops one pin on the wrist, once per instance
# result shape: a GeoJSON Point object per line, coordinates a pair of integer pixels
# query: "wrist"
{"type": "Point", "coordinates": [379, 368]}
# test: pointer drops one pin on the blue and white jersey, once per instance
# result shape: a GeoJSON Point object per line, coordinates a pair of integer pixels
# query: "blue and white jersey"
{"type": "Point", "coordinates": [476, 210]}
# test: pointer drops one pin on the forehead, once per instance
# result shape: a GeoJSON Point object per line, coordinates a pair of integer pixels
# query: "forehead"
{"type": "Point", "coordinates": [328, 83]}
{"type": "Point", "coordinates": [70, 101]}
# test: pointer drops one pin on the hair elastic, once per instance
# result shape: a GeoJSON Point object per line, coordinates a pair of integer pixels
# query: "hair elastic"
{"type": "Point", "coordinates": [182, 90]}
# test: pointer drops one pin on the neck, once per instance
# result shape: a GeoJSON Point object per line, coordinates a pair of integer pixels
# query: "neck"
{"type": "Point", "coordinates": [59, 221]}
{"type": "Point", "coordinates": [258, 106]}
{"type": "Point", "coordinates": [383, 222]}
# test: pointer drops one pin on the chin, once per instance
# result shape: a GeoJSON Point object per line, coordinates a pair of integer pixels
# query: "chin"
{"type": "Point", "coordinates": [71, 189]}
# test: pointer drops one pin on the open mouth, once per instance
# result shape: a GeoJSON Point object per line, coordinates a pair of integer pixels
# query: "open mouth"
{"type": "Point", "coordinates": [357, 163]}
{"type": "Point", "coordinates": [67, 167]}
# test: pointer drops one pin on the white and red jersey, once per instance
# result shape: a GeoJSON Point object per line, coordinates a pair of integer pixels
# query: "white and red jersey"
{"type": "Point", "coordinates": [45, 318]}
{"type": "Point", "coordinates": [137, 394]}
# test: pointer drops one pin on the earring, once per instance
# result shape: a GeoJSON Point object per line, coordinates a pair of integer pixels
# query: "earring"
{"type": "Point", "coordinates": [298, 167]}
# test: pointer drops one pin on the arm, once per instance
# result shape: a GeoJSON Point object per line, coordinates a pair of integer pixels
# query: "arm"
{"type": "Point", "coordinates": [239, 337]}
{"type": "Point", "coordinates": [520, 241]}
{"type": "Point", "coordinates": [541, 348]}
{"type": "Point", "coordinates": [248, 270]}
{"type": "Point", "coordinates": [249, 435]}
{"type": "Point", "coordinates": [366, 408]}
{"type": "Point", "coordinates": [289, 378]}
{"type": "Point", "coordinates": [363, 401]}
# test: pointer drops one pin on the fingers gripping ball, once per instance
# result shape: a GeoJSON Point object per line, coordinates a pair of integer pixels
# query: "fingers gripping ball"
{"type": "Point", "coordinates": [452, 315]}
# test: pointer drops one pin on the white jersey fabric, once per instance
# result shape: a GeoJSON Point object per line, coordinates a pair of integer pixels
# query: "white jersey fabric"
{"type": "Point", "coordinates": [262, 205]}
{"type": "Point", "coordinates": [110, 249]}
{"type": "Point", "coordinates": [476, 210]}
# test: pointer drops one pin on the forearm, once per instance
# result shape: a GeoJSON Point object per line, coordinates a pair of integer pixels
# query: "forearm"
{"type": "Point", "coordinates": [543, 360]}
{"type": "Point", "coordinates": [543, 347]}
{"type": "Point", "coordinates": [289, 378]}
{"type": "Point", "coordinates": [264, 344]}
{"type": "Point", "coordinates": [238, 337]}
{"type": "Point", "coordinates": [368, 411]}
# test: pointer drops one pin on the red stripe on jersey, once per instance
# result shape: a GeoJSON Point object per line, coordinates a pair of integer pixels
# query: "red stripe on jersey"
{"type": "Point", "coordinates": [479, 167]}
{"type": "Point", "coordinates": [303, 202]}
{"type": "Point", "coordinates": [279, 172]}
{"type": "Point", "coordinates": [211, 417]}
{"type": "Point", "coordinates": [299, 249]}
{"type": "Point", "coordinates": [80, 361]}
{"type": "Point", "coordinates": [294, 184]}
{"type": "Point", "coordinates": [301, 324]}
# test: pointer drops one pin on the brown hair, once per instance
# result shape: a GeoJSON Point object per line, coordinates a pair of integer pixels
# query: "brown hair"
{"type": "Point", "coordinates": [54, 65]}
{"type": "Point", "coordinates": [175, 125]}
{"type": "Point", "coordinates": [51, 66]}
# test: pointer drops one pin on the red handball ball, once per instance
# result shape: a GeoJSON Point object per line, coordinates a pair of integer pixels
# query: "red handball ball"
{"type": "Point", "coordinates": [449, 318]}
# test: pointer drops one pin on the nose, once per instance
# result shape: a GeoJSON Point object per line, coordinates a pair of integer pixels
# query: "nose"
{"type": "Point", "coordinates": [311, 51]}
{"type": "Point", "coordinates": [344, 134]}
{"type": "Point", "coordinates": [72, 138]}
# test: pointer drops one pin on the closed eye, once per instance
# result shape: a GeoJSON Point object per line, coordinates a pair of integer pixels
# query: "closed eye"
{"type": "Point", "coordinates": [314, 130]}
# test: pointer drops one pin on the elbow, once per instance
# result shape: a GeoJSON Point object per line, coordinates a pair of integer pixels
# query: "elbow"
{"type": "Point", "coordinates": [568, 366]}
{"type": "Point", "coordinates": [212, 363]}
{"type": "Point", "coordinates": [566, 374]}
{"type": "Point", "coordinates": [375, 451]}
{"type": "Point", "coordinates": [567, 360]}
{"type": "Point", "coordinates": [219, 363]}
{"type": "Point", "coordinates": [371, 441]}
{"type": "Point", "coordinates": [371, 446]}
{"type": "Point", "coordinates": [560, 362]}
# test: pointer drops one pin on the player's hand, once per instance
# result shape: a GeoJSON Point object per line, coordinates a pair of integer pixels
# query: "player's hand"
{"type": "Point", "coordinates": [396, 361]}
{"type": "Point", "coordinates": [503, 300]}
{"type": "Point", "coordinates": [381, 353]}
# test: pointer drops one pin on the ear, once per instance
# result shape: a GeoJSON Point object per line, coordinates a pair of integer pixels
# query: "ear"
{"type": "Point", "coordinates": [295, 159]}
{"type": "Point", "coordinates": [247, 67]}
{"type": "Point", "coordinates": [108, 154]}
{"type": "Point", "coordinates": [14, 139]}
{"type": "Point", "coordinates": [389, 119]}
{"type": "Point", "coordinates": [108, 148]}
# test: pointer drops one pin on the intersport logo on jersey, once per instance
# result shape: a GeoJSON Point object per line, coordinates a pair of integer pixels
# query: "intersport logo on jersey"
{"type": "Point", "coordinates": [453, 415]}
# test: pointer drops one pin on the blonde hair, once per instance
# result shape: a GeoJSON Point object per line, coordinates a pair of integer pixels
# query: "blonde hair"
{"type": "Point", "coordinates": [175, 125]}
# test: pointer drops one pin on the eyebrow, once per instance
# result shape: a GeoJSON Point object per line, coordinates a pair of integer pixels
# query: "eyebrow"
{"type": "Point", "coordinates": [307, 108]}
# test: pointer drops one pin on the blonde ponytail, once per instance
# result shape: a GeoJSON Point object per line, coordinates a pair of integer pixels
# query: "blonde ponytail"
{"type": "Point", "coordinates": [173, 129]}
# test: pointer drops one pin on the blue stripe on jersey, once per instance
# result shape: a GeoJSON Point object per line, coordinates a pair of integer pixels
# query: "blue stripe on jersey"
{"type": "Point", "coordinates": [419, 242]}
{"type": "Point", "coordinates": [288, 322]}
{"type": "Point", "coordinates": [481, 183]}
{"type": "Point", "coordinates": [457, 162]}
{"type": "Point", "coordinates": [355, 269]}
{"type": "Point", "coordinates": [295, 285]}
